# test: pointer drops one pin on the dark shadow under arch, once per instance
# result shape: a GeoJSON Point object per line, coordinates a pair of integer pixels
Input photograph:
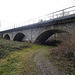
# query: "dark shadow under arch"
{"type": "Point", "coordinates": [45, 35]}
{"type": "Point", "coordinates": [7, 37]}
{"type": "Point", "coordinates": [19, 37]}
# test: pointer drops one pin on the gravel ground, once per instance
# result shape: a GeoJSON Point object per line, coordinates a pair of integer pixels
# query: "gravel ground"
{"type": "Point", "coordinates": [44, 65]}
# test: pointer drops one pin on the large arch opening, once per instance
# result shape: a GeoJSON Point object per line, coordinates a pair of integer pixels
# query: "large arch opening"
{"type": "Point", "coordinates": [43, 37]}
{"type": "Point", "coordinates": [19, 37]}
{"type": "Point", "coordinates": [7, 37]}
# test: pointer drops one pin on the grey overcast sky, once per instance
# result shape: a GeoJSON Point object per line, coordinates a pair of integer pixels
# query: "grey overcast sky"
{"type": "Point", "coordinates": [18, 11]}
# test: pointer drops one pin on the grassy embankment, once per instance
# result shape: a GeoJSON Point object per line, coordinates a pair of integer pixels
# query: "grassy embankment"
{"type": "Point", "coordinates": [16, 58]}
{"type": "Point", "coordinates": [63, 57]}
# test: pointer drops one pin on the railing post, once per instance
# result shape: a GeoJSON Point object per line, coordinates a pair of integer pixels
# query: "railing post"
{"type": "Point", "coordinates": [14, 26]}
{"type": "Point", "coordinates": [63, 12]}
{"type": "Point", "coordinates": [53, 15]}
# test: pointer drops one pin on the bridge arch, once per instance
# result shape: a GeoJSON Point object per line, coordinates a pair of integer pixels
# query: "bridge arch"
{"type": "Point", "coordinates": [42, 37]}
{"type": "Point", "coordinates": [19, 37]}
{"type": "Point", "coordinates": [6, 36]}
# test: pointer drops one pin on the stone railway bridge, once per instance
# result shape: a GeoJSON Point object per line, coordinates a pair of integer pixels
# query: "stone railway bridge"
{"type": "Point", "coordinates": [39, 32]}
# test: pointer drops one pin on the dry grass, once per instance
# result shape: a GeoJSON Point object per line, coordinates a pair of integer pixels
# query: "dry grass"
{"type": "Point", "coordinates": [7, 46]}
{"type": "Point", "coordinates": [19, 61]}
{"type": "Point", "coordinates": [63, 56]}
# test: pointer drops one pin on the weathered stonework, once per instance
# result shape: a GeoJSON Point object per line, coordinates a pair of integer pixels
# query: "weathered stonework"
{"type": "Point", "coordinates": [41, 31]}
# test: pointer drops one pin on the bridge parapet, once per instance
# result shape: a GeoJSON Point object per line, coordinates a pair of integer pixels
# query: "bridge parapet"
{"type": "Point", "coordinates": [51, 16]}
{"type": "Point", "coordinates": [48, 17]}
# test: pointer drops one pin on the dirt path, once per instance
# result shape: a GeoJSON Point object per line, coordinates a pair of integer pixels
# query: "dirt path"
{"type": "Point", "coordinates": [43, 64]}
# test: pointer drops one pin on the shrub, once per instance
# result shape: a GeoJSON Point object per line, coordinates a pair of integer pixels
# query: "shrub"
{"type": "Point", "coordinates": [3, 53]}
{"type": "Point", "coordinates": [64, 56]}
{"type": "Point", "coordinates": [65, 49]}
{"type": "Point", "coordinates": [7, 46]}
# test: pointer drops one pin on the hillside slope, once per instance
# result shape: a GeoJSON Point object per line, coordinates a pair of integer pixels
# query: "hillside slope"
{"type": "Point", "coordinates": [20, 58]}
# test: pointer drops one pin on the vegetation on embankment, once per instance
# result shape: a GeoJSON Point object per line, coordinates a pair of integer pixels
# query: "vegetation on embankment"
{"type": "Point", "coordinates": [7, 46]}
{"type": "Point", "coordinates": [17, 58]}
{"type": "Point", "coordinates": [63, 56]}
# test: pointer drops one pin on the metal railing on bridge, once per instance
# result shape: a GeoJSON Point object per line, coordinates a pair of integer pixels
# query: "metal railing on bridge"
{"type": "Point", "coordinates": [50, 16]}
